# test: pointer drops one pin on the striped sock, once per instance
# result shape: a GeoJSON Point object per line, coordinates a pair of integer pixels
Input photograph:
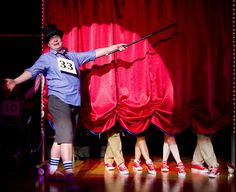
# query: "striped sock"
{"type": "Point", "coordinates": [68, 167]}
{"type": "Point", "coordinates": [54, 162]}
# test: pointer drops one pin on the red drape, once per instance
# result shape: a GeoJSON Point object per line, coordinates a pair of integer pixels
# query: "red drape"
{"type": "Point", "coordinates": [177, 78]}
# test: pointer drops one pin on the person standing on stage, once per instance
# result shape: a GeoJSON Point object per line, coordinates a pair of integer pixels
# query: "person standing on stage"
{"type": "Point", "coordinates": [61, 71]}
{"type": "Point", "coordinates": [113, 153]}
{"type": "Point", "coordinates": [141, 149]}
{"type": "Point", "coordinates": [170, 146]}
{"type": "Point", "coordinates": [204, 153]}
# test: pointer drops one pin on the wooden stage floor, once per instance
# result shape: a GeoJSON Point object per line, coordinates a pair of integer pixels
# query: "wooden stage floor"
{"type": "Point", "coordinates": [92, 177]}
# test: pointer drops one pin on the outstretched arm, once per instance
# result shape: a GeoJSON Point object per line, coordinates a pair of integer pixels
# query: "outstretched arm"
{"type": "Point", "coordinates": [30, 92]}
{"type": "Point", "coordinates": [11, 83]}
{"type": "Point", "coordinates": [107, 50]}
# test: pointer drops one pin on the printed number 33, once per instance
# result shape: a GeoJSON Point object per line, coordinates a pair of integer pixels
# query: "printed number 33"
{"type": "Point", "coordinates": [66, 65]}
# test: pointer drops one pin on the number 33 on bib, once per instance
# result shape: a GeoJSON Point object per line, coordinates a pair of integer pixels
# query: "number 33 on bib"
{"type": "Point", "coordinates": [66, 65]}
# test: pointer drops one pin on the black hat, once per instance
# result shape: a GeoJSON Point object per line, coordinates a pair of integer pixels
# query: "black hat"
{"type": "Point", "coordinates": [49, 31]}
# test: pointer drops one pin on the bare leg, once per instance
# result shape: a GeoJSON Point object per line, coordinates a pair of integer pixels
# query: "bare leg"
{"type": "Point", "coordinates": [56, 150]}
{"type": "Point", "coordinates": [141, 142]}
{"type": "Point", "coordinates": [138, 153]}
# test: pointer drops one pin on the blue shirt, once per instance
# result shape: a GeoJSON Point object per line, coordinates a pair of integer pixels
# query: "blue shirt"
{"type": "Point", "coordinates": [63, 85]}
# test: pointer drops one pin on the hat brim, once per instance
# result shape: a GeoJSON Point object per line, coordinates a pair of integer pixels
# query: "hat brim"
{"type": "Point", "coordinates": [47, 38]}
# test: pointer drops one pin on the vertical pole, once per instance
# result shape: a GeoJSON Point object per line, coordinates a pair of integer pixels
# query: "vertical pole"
{"type": "Point", "coordinates": [233, 76]}
{"type": "Point", "coordinates": [42, 127]}
{"type": "Point", "coordinates": [42, 88]}
{"type": "Point", "coordinates": [42, 122]}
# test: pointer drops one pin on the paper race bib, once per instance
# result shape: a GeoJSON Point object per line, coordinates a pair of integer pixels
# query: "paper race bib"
{"type": "Point", "coordinates": [66, 65]}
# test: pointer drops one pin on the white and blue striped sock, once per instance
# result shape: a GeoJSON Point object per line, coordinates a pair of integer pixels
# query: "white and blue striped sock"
{"type": "Point", "coordinates": [54, 162]}
{"type": "Point", "coordinates": [68, 167]}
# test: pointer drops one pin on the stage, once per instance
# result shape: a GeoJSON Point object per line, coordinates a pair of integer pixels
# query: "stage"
{"type": "Point", "coordinates": [179, 82]}
{"type": "Point", "coordinates": [91, 176]}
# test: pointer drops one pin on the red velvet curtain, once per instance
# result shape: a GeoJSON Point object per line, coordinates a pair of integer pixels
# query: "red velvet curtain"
{"type": "Point", "coordinates": [174, 79]}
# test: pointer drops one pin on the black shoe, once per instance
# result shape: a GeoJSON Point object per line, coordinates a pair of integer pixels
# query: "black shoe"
{"type": "Point", "coordinates": [71, 184]}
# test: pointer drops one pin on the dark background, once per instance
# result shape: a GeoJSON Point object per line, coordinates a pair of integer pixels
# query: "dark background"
{"type": "Point", "coordinates": [20, 35]}
{"type": "Point", "coordinates": [20, 46]}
